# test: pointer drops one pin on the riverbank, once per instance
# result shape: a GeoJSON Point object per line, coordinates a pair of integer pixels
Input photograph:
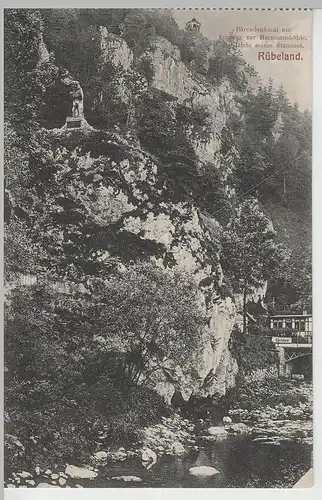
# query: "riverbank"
{"type": "Point", "coordinates": [278, 417]}
{"type": "Point", "coordinates": [274, 410]}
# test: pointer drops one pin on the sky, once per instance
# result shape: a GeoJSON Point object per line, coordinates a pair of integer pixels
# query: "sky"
{"type": "Point", "coordinates": [295, 75]}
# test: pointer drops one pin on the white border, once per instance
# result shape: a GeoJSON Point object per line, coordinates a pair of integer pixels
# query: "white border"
{"type": "Point", "coordinates": [156, 494]}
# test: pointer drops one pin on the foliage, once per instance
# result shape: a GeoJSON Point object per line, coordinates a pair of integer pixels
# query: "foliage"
{"type": "Point", "coordinates": [161, 134]}
{"type": "Point", "coordinates": [150, 318]}
{"type": "Point", "coordinates": [110, 18]}
{"type": "Point", "coordinates": [255, 141]}
{"type": "Point", "coordinates": [274, 144]}
{"type": "Point", "coordinates": [268, 392]}
{"type": "Point", "coordinates": [137, 31]}
{"type": "Point", "coordinates": [145, 67]}
{"type": "Point", "coordinates": [212, 192]}
{"type": "Point", "coordinates": [274, 162]}
{"type": "Point", "coordinates": [292, 287]}
{"type": "Point", "coordinates": [251, 352]}
{"type": "Point", "coordinates": [26, 79]}
{"type": "Point", "coordinates": [63, 387]}
{"type": "Point", "coordinates": [226, 62]}
{"type": "Point", "coordinates": [75, 44]}
{"type": "Point", "coordinates": [293, 153]}
{"type": "Point", "coordinates": [249, 250]}
{"type": "Point", "coordinates": [196, 121]}
{"type": "Point", "coordinates": [141, 317]}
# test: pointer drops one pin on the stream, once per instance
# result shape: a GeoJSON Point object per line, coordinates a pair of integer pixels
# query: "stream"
{"type": "Point", "coordinates": [257, 446]}
{"type": "Point", "coordinates": [241, 462]}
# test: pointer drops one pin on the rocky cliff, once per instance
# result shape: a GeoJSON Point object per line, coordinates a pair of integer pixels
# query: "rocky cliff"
{"type": "Point", "coordinates": [120, 187]}
{"type": "Point", "coordinates": [132, 206]}
{"type": "Point", "coordinates": [129, 206]}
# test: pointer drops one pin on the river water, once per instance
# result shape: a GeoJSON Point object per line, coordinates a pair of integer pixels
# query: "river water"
{"type": "Point", "coordinates": [242, 463]}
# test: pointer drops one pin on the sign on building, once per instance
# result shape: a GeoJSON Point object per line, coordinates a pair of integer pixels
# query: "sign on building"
{"type": "Point", "coordinates": [282, 340]}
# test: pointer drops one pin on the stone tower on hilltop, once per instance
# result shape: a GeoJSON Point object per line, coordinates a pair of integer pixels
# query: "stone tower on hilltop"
{"type": "Point", "coordinates": [193, 25]}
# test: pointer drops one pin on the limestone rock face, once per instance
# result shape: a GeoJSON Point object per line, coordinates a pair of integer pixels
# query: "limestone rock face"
{"type": "Point", "coordinates": [171, 75]}
{"type": "Point", "coordinates": [114, 49]}
{"type": "Point", "coordinates": [125, 197]}
{"type": "Point", "coordinates": [126, 200]}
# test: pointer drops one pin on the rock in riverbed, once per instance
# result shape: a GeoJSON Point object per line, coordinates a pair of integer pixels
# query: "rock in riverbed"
{"type": "Point", "coordinates": [176, 448]}
{"type": "Point", "coordinates": [46, 485]}
{"type": "Point", "coordinates": [79, 472]}
{"type": "Point", "coordinates": [100, 458]}
{"type": "Point", "coordinates": [239, 428]}
{"type": "Point", "coordinates": [127, 479]}
{"type": "Point", "coordinates": [217, 431]}
{"type": "Point", "coordinates": [203, 471]}
{"type": "Point", "coordinates": [24, 475]}
{"type": "Point", "coordinates": [149, 457]}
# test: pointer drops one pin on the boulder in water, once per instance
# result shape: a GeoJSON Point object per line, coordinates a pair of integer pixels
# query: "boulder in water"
{"type": "Point", "coordinates": [100, 458]}
{"type": "Point", "coordinates": [117, 456]}
{"type": "Point", "coordinates": [217, 431]}
{"type": "Point", "coordinates": [127, 479]}
{"type": "Point", "coordinates": [149, 457]}
{"type": "Point", "coordinates": [239, 428]}
{"type": "Point", "coordinates": [46, 485]}
{"type": "Point", "coordinates": [203, 471]}
{"type": "Point", "coordinates": [79, 472]}
{"type": "Point", "coordinates": [24, 474]}
{"type": "Point", "coordinates": [177, 448]}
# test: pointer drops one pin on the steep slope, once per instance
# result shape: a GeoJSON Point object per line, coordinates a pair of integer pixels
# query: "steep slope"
{"type": "Point", "coordinates": [153, 174]}
{"type": "Point", "coordinates": [132, 217]}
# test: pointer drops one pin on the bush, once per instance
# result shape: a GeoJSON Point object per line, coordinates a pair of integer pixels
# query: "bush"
{"type": "Point", "coordinates": [255, 396]}
{"type": "Point", "coordinates": [66, 429]}
{"type": "Point", "coordinates": [252, 352]}
{"type": "Point", "coordinates": [73, 361]}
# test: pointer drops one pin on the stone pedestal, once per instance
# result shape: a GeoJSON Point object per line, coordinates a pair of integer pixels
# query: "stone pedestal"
{"type": "Point", "coordinates": [74, 122]}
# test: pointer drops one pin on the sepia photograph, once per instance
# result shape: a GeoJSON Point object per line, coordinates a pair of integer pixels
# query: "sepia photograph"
{"type": "Point", "coordinates": [158, 248]}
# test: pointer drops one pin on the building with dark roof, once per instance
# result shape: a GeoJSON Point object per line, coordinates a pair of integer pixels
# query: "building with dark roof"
{"type": "Point", "coordinates": [193, 25]}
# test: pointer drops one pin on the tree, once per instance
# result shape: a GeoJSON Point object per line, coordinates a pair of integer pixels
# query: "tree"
{"type": "Point", "coordinates": [137, 31]}
{"type": "Point", "coordinates": [26, 76]}
{"type": "Point", "coordinates": [62, 389]}
{"type": "Point", "coordinates": [251, 353]}
{"type": "Point", "coordinates": [226, 61]}
{"type": "Point", "coordinates": [150, 318]}
{"type": "Point", "coordinates": [255, 142]}
{"type": "Point", "coordinates": [249, 250]}
{"type": "Point", "coordinates": [292, 287]}
{"type": "Point", "coordinates": [141, 318]}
